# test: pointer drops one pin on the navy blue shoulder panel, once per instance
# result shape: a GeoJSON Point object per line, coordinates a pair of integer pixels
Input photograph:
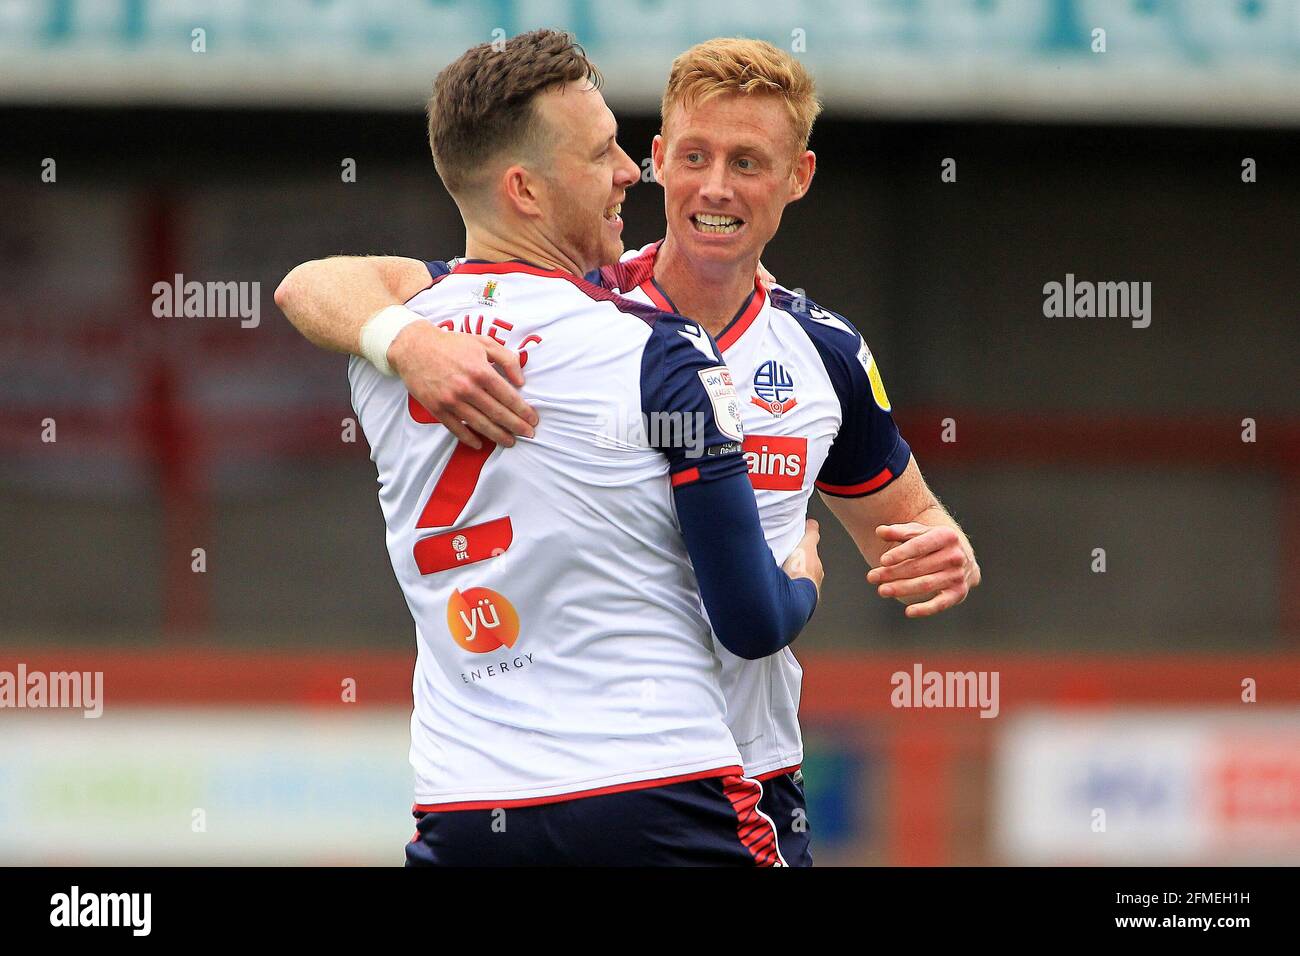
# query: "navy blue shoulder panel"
{"type": "Point", "coordinates": [689, 402]}
{"type": "Point", "coordinates": [868, 452]}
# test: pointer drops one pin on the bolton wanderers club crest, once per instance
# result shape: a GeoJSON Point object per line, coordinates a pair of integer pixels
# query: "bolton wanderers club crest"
{"type": "Point", "coordinates": [773, 388]}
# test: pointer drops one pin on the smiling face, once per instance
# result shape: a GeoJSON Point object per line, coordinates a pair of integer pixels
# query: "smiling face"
{"type": "Point", "coordinates": [587, 175]}
{"type": "Point", "coordinates": [729, 165]}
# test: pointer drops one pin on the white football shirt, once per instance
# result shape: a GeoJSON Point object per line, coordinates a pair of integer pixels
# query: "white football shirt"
{"type": "Point", "coordinates": [563, 649]}
{"type": "Point", "coordinates": [816, 415]}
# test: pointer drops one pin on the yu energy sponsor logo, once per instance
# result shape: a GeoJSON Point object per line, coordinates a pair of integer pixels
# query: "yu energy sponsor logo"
{"type": "Point", "coordinates": [481, 620]}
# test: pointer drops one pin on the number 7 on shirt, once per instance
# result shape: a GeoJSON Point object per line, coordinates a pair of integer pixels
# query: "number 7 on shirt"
{"type": "Point", "coordinates": [456, 547]}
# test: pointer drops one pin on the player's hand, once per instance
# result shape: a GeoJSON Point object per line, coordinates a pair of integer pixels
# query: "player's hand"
{"type": "Point", "coordinates": [454, 375]}
{"type": "Point", "coordinates": [804, 561]}
{"type": "Point", "coordinates": [931, 568]}
{"type": "Point", "coordinates": [765, 278]}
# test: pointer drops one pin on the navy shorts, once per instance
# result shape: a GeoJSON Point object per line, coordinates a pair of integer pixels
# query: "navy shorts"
{"type": "Point", "coordinates": [783, 801]}
{"type": "Point", "coordinates": [710, 822]}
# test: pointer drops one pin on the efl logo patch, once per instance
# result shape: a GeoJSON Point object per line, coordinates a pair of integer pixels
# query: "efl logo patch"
{"type": "Point", "coordinates": [776, 462]}
{"type": "Point", "coordinates": [726, 406]}
{"type": "Point", "coordinates": [773, 388]}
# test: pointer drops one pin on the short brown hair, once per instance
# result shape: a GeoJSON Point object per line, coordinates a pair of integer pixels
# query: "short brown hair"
{"type": "Point", "coordinates": [482, 103]}
{"type": "Point", "coordinates": [740, 65]}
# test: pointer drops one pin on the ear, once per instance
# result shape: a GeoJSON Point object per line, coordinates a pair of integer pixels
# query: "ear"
{"type": "Point", "coordinates": [658, 152]}
{"type": "Point", "coordinates": [805, 165]}
{"type": "Point", "coordinates": [521, 191]}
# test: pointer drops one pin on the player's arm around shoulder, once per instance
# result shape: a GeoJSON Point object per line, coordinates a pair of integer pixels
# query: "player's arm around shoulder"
{"type": "Point", "coordinates": [329, 300]}
{"type": "Point", "coordinates": [355, 305]}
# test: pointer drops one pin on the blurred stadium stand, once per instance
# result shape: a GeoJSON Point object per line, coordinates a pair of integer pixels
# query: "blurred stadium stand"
{"type": "Point", "coordinates": [1120, 690]}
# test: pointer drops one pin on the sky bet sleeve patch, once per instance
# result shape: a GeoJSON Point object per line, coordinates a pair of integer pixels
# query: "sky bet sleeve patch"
{"type": "Point", "coordinates": [726, 406]}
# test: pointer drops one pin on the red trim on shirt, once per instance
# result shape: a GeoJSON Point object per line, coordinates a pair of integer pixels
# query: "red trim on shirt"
{"type": "Point", "coordinates": [776, 773]}
{"type": "Point", "coordinates": [645, 262]}
{"type": "Point", "coordinates": [657, 297]}
{"type": "Point", "coordinates": [742, 322]}
{"type": "Point", "coordinates": [847, 491]}
{"type": "Point", "coordinates": [729, 773]}
{"type": "Point", "coordinates": [501, 268]}
{"type": "Point", "coordinates": [630, 273]}
{"type": "Point", "coordinates": [686, 477]}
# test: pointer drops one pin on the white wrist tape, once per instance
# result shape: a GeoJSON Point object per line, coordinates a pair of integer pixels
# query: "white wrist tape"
{"type": "Point", "coordinates": [378, 334]}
